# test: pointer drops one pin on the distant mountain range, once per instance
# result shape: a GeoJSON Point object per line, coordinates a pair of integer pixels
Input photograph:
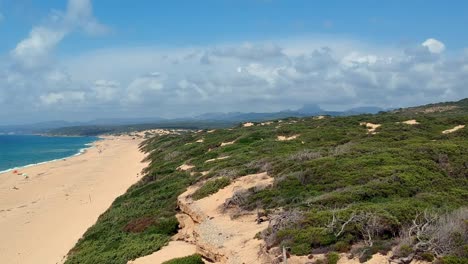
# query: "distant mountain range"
{"type": "Point", "coordinates": [211, 118]}
{"type": "Point", "coordinates": [306, 110]}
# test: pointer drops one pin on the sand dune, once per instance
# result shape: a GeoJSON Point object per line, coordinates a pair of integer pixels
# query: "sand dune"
{"type": "Point", "coordinates": [370, 127]}
{"type": "Point", "coordinates": [448, 131]}
{"type": "Point", "coordinates": [227, 143]}
{"type": "Point", "coordinates": [411, 122]}
{"type": "Point", "coordinates": [215, 159]}
{"type": "Point", "coordinates": [185, 167]}
{"type": "Point", "coordinates": [285, 138]}
{"type": "Point", "coordinates": [42, 217]}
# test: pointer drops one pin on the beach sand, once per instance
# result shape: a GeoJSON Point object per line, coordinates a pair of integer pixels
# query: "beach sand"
{"type": "Point", "coordinates": [42, 217]}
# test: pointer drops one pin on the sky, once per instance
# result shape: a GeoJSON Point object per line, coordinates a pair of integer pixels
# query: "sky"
{"type": "Point", "coordinates": [80, 60]}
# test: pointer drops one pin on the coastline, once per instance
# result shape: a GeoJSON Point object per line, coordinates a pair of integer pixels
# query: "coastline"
{"type": "Point", "coordinates": [62, 198]}
{"type": "Point", "coordinates": [80, 152]}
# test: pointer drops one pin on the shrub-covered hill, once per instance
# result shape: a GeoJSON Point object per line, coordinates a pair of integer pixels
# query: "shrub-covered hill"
{"type": "Point", "coordinates": [339, 181]}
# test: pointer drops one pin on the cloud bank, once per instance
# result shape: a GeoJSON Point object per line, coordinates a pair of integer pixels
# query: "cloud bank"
{"type": "Point", "coordinates": [261, 76]}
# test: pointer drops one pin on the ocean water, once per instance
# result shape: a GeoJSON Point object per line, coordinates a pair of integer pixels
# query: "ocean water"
{"type": "Point", "coordinates": [22, 150]}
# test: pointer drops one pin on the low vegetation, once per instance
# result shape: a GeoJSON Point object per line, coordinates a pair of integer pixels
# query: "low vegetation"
{"type": "Point", "coordinates": [193, 259]}
{"type": "Point", "coordinates": [210, 187]}
{"type": "Point", "coordinates": [336, 185]}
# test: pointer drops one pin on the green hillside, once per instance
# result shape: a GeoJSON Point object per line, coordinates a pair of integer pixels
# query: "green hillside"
{"type": "Point", "coordinates": [337, 184]}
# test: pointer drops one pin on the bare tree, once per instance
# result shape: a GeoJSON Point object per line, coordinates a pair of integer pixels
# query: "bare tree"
{"type": "Point", "coordinates": [439, 234]}
{"type": "Point", "coordinates": [369, 224]}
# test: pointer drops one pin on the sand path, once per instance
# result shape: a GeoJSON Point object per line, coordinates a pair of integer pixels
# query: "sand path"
{"type": "Point", "coordinates": [43, 217]}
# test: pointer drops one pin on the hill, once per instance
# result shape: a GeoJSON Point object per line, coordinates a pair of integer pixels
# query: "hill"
{"type": "Point", "coordinates": [361, 184]}
{"type": "Point", "coordinates": [204, 121]}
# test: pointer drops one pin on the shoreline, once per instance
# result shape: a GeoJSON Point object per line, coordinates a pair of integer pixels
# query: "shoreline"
{"type": "Point", "coordinates": [81, 151]}
{"type": "Point", "coordinates": [62, 198]}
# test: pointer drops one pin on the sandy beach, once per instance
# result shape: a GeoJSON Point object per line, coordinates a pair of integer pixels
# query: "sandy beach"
{"type": "Point", "coordinates": [42, 217]}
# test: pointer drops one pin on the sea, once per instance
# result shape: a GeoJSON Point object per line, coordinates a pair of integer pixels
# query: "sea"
{"type": "Point", "coordinates": [18, 151]}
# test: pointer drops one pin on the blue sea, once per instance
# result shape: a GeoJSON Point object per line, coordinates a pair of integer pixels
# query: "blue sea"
{"type": "Point", "coordinates": [22, 150]}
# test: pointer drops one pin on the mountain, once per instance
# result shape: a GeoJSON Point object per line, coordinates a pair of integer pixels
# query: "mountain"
{"type": "Point", "coordinates": [365, 110]}
{"type": "Point", "coordinates": [43, 127]}
{"type": "Point", "coordinates": [310, 109]}
{"type": "Point", "coordinates": [240, 117]}
{"type": "Point", "coordinates": [35, 127]}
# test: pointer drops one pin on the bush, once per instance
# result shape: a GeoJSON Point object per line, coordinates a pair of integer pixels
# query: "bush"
{"type": "Point", "coordinates": [426, 256]}
{"type": "Point", "coordinates": [342, 246]}
{"type": "Point", "coordinates": [452, 260]}
{"type": "Point", "coordinates": [211, 187]}
{"type": "Point", "coordinates": [435, 234]}
{"type": "Point", "coordinates": [403, 251]}
{"type": "Point", "coordinates": [332, 257]}
{"type": "Point", "coordinates": [193, 259]}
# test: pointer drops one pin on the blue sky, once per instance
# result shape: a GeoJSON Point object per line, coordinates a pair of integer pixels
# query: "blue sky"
{"type": "Point", "coordinates": [67, 59]}
{"type": "Point", "coordinates": [217, 21]}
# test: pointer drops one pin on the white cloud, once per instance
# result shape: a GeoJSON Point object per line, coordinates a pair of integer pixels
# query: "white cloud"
{"type": "Point", "coordinates": [434, 45]}
{"type": "Point", "coordinates": [105, 90]}
{"type": "Point", "coordinates": [179, 82]}
{"type": "Point", "coordinates": [80, 13]}
{"type": "Point", "coordinates": [67, 97]}
{"type": "Point", "coordinates": [145, 87]}
{"type": "Point", "coordinates": [33, 51]}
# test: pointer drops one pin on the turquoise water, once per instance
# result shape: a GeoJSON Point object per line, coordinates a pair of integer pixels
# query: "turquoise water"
{"type": "Point", "coordinates": [22, 150]}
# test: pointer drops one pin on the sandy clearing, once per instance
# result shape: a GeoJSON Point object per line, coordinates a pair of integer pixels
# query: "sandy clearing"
{"type": "Point", "coordinates": [410, 122]}
{"type": "Point", "coordinates": [185, 167]}
{"type": "Point", "coordinates": [266, 123]}
{"type": "Point", "coordinates": [284, 138]}
{"type": "Point", "coordinates": [220, 158]}
{"type": "Point", "coordinates": [319, 117]}
{"type": "Point", "coordinates": [227, 143]}
{"type": "Point", "coordinates": [370, 127]}
{"type": "Point", "coordinates": [155, 132]}
{"type": "Point", "coordinates": [42, 220]}
{"type": "Point", "coordinates": [453, 129]}
{"type": "Point", "coordinates": [200, 140]}
{"type": "Point", "coordinates": [248, 124]}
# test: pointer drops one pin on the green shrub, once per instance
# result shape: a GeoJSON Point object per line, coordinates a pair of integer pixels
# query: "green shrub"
{"type": "Point", "coordinates": [302, 240]}
{"type": "Point", "coordinates": [193, 259]}
{"type": "Point", "coordinates": [332, 257]}
{"type": "Point", "coordinates": [426, 256]}
{"type": "Point", "coordinates": [342, 246]}
{"type": "Point", "coordinates": [404, 251]}
{"type": "Point", "coordinates": [452, 260]}
{"type": "Point", "coordinates": [211, 187]}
